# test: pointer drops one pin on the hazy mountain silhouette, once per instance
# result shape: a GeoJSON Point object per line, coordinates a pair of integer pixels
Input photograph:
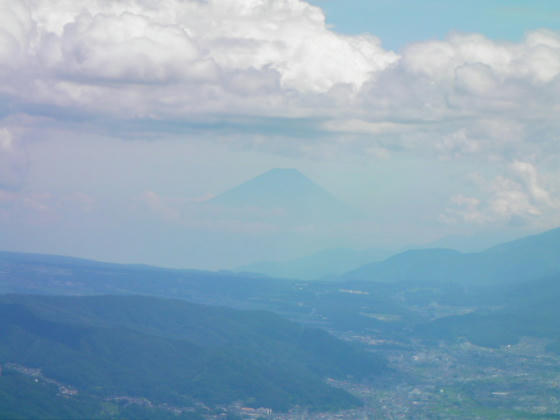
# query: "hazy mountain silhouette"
{"type": "Point", "coordinates": [324, 264]}
{"type": "Point", "coordinates": [284, 192]}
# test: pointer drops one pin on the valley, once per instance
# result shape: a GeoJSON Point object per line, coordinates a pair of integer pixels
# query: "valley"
{"type": "Point", "coordinates": [352, 348]}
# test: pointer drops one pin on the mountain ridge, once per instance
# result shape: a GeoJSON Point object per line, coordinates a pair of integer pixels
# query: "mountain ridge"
{"type": "Point", "coordinates": [533, 256]}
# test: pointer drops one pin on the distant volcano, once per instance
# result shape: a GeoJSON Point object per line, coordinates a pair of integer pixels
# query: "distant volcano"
{"type": "Point", "coordinates": [286, 191]}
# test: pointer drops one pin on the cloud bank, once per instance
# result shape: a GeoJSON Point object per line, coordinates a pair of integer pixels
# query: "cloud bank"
{"type": "Point", "coordinates": [185, 61]}
{"type": "Point", "coordinates": [179, 59]}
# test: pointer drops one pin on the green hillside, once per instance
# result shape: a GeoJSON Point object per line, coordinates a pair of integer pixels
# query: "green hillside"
{"type": "Point", "coordinates": [179, 353]}
{"type": "Point", "coordinates": [21, 397]}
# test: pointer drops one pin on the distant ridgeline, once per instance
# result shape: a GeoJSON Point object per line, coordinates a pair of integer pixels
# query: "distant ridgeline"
{"type": "Point", "coordinates": [173, 352]}
{"type": "Point", "coordinates": [55, 275]}
{"type": "Point", "coordinates": [525, 259]}
{"type": "Point", "coordinates": [512, 290]}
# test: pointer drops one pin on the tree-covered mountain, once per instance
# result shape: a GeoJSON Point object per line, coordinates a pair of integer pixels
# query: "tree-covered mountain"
{"type": "Point", "coordinates": [173, 352]}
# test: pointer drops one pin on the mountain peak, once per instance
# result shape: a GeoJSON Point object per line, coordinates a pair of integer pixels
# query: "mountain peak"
{"type": "Point", "coordinates": [282, 188]}
{"type": "Point", "coordinates": [283, 172]}
{"type": "Point", "coordinates": [278, 186]}
{"type": "Point", "coordinates": [283, 175]}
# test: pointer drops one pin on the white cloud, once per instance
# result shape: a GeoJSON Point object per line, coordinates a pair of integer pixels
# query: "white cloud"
{"type": "Point", "coordinates": [517, 195]}
{"type": "Point", "coordinates": [536, 58]}
{"type": "Point", "coordinates": [181, 41]}
{"type": "Point", "coordinates": [465, 209]}
{"type": "Point", "coordinates": [16, 31]}
{"type": "Point", "coordinates": [530, 179]}
{"type": "Point", "coordinates": [457, 143]}
{"type": "Point", "coordinates": [477, 79]}
{"type": "Point", "coordinates": [129, 48]}
{"type": "Point", "coordinates": [510, 199]}
{"type": "Point", "coordinates": [13, 162]}
{"type": "Point", "coordinates": [172, 59]}
{"type": "Point", "coordinates": [6, 140]}
{"type": "Point", "coordinates": [366, 127]}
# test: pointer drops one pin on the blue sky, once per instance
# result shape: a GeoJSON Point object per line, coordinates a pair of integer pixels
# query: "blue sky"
{"type": "Point", "coordinates": [432, 118]}
{"type": "Point", "coordinates": [401, 22]}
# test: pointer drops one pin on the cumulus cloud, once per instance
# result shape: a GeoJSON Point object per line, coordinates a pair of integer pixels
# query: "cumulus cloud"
{"type": "Point", "coordinates": [180, 58]}
{"type": "Point", "coordinates": [516, 196]}
{"type": "Point", "coordinates": [173, 40]}
{"type": "Point", "coordinates": [536, 58]}
{"type": "Point", "coordinates": [128, 48]}
{"type": "Point", "coordinates": [527, 173]}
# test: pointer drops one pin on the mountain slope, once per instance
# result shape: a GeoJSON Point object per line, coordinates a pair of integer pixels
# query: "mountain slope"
{"type": "Point", "coordinates": [43, 400]}
{"type": "Point", "coordinates": [179, 353]}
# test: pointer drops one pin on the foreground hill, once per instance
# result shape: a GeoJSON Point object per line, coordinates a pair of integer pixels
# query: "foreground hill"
{"type": "Point", "coordinates": [178, 353]}
{"type": "Point", "coordinates": [528, 258]}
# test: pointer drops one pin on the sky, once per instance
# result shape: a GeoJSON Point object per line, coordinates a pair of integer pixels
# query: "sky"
{"type": "Point", "coordinates": [120, 119]}
{"type": "Point", "coordinates": [401, 22]}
